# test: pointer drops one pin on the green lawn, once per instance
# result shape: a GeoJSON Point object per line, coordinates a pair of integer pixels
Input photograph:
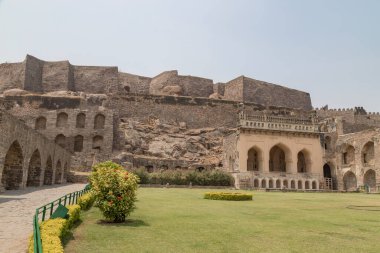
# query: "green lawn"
{"type": "Point", "coordinates": [180, 220]}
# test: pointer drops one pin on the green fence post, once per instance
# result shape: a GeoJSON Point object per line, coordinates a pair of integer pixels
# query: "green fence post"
{"type": "Point", "coordinates": [43, 213]}
{"type": "Point", "coordinates": [65, 200]}
{"type": "Point", "coordinates": [51, 208]}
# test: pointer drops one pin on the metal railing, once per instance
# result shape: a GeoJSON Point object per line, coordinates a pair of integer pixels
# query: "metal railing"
{"type": "Point", "coordinates": [47, 210]}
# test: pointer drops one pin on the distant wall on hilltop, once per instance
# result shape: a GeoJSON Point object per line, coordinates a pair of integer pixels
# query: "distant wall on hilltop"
{"type": "Point", "coordinates": [259, 92]}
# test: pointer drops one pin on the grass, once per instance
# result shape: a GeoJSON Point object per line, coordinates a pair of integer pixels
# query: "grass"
{"type": "Point", "coordinates": [180, 220]}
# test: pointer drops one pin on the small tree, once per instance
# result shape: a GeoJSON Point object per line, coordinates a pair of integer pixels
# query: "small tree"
{"type": "Point", "coordinates": [114, 189]}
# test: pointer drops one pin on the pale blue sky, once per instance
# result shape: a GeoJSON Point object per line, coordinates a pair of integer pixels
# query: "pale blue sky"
{"type": "Point", "coordinates": [329, 48]}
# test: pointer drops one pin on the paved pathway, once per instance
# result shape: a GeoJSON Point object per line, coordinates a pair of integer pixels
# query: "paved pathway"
{"type": "Point", "coordinates": [17, 209]}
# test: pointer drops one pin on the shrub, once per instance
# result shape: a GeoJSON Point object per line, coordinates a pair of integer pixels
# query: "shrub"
{"type": "Point", "coordinates": [74, 214]}
{"type": "Point", "coordinates": [143, 175]}
{"type": "Point", "coordinates": [86, 201]}
{"type": "Point", "coordinates": [234, 196]}
{"type": "Point", "coordinates": [114, 190]}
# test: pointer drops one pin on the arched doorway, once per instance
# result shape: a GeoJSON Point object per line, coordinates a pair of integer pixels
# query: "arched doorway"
{"type": "Point", "coordinates": [61, 119]}
{"type": "Point", "coordinates": [34, 170]}
{"type": "Point", "coordinates": [349, 181]}
{"type": "Point", "coordinates": [300, 185]}
{"type": "Point", "coordinates": [264, 183]}
{"type": "Point", "coordinates": [370, 179]}
{"type": "Point", "coordinates": [278, 184]}
{"type": "Point", "coordinates": [314, 185]}
{"type": "Point", "coordinates": [270, 184]}
{"type": "Point", "coordinates": [48, 175]}
{"type": "Point", "coordinates": [58, 172]}
{"type": "Point", "coordinates": [12, 173]}
{"type": "Point", "coordinates": [285, 184]}
{"type": "Point", "coordinates": [256, 183]}
{"type": "Point", "coordinates": [307, 185]}
{"type": "Point", "coordinates": [326, 171]}
{"type": "Point", "coordinates": [293, 184]}
{"type": "Point", "coordinates": [99, 121]}
{"type": "Point", "coordinates": [348, 155]}
{"type": "Point", "coordinates": [277, 159]}
{"type": "Point", "coordinates": [60, 139]}
{"type": "Point", "coordinates": [254, 159]}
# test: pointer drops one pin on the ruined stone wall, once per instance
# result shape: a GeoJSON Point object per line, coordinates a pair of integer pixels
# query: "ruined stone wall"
{"type": "Point", "coordinates": [96, 79]}
{"type": "Point", "coordinates": [33, 74]}
{"type": "Point", "coordinates": [234, 89]}
{"type": "Point", "coordinates": [134, 83]}
{"type": "Point", "coordinates": [275, 95]}
{"type": "Point", "coordinates": [57, 76]}
{"type": "Point", "coordinates": [12, 76]}
{"type": "Point", "coordinates": [170, 83]}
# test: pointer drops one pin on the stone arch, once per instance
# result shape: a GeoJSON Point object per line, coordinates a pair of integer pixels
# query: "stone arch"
{"type": "Point", "coordinates": [97, 142]}
{"type": "Point", "coordinates": [78, 143]}
{"type": "Point", "coordinates": [370, 179]}
{"type": "Point", "coordinates": [278, 184]}
{"type": "Point", "coordinates": [368, 153]}
{"type": "Point", "coordinates": [48, 174]}
{"type": "Point", "coordinates": [285, 183]}
{"type": "Point", "coordinates": [62, 119]}
{"type": "Point", "coordinates": [256, 183]}
{"type": "Point", "coordinates": [60, 140]}
{"type": "Point", "coordinates": [314, 185]}
{"type": "Point", "coordinates": [254, 161]}
{"type": "Point", "coordinates": [303, 161]}
{"type": "Point", "coordinates": [293, 184]}
{"type": "Point", "coordinates": [279, 156]}
{"type": "Point", "coordinates": [264, 183]}
{"type": "Point", "coordinates": [34, 170]}
{"type": "Point", "coordinates": [307, 185]}
{"type": "Point", "coordinates": [13, 169]}
{"type": "Point", "coordinates": [270, 183]}
{"type": "Point", "coordinates": [99, 121]}
{"type": "Point", "coordinates": [81, 120]}
{"type": "Point", "coordinates": [58, 173]}
{"type": "Point", "coordinates": [348, 155]}
{"type": "Point", "coordinates": [40, 123]}
{"type": "Point", "coordinates": [349, 181]}
{"type": "Point", "coordinates": [300, 184]}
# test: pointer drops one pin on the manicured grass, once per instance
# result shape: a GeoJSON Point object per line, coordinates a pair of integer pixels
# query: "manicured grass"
{"type": "Point", "coordinates": [180, 220]}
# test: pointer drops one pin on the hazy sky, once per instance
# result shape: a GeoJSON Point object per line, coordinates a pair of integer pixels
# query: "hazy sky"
{"type": "Point", "coordinates": [328, 48]}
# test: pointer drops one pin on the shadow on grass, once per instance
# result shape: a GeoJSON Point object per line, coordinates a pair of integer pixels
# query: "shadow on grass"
{"type": "Point", "coordinates": [127, 223]}
{"type": "Point", "coordinates": [69, 234]}
{"type": "Point", "coordinates": [365, 208]}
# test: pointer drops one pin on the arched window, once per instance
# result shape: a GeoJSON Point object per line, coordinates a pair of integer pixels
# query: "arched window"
{"type": "Point", "coordinates": [99, 121]}
{"type": "Point", "coordinates": [78, 143]}
{"type": "Point", "coordinates": [348, 155]}
{"type": "Point", "coordinates": [368, 153]}
{"type": "Point", "coordinates": [12, 172]}
{"type": "Point", "coordinates": [60, 139]}
{"type": "Point", "coordinates": [97, 142]}
{"type": "Point", "coordinates": [40, 123]}
{"type": "Point", "coordinates": [62, 119]}
{"type": "Point", "coordinates": [81, 120]}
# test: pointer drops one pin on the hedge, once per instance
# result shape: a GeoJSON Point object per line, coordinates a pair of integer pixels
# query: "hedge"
{"type": "Point", "coordinates": [53, 230]}
{"type": "Point", "coordinates": [183, 177]}
{"type": "Point", "coordinates": [234, 196]}
{"type": "Point", "coordinates": [86, 201]}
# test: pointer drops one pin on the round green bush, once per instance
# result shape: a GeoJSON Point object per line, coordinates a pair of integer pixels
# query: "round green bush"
{"type": "Point", "coordinates": [114, 190]}
{"type": "Point", "coordinates": [234, 196]}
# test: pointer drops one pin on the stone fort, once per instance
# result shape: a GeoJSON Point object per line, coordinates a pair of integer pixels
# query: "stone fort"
{"type": "Point", "coordinates": [58, 119]}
